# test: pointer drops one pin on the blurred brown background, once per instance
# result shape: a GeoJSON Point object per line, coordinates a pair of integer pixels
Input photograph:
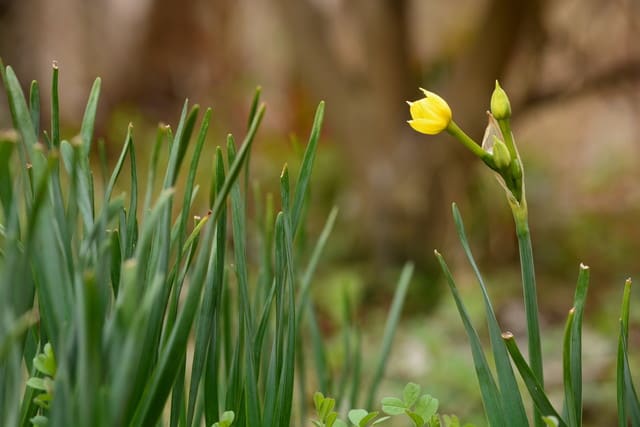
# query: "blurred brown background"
{"type": "Point", "coordinates": [571, 67]}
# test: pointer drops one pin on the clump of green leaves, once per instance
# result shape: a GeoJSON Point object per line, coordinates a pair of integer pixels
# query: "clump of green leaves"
{"type": "Point", "coordinates": [120, 283]}
{"type": "Point", "coordinates": [45, 365]}
{"type": "Point", "coordinates": [327, 417]}
{"type": "Point", "coordinates": [420, 409]}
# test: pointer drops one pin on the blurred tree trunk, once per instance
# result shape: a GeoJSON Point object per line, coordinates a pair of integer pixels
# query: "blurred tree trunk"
{"type": "Point", "coordinates": [187, 50]}
{"type": "Point", "coordinates": [355, 55]}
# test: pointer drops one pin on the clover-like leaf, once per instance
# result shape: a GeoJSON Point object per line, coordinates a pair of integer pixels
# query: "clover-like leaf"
{"type": "Point", "coordinates": [43, 400]}
{"type": "Point", "coordinates": [228, 417]}
{"type": "Point", "coordinates": [434, 421]}
{"type": "Point", "coordinates": [361, 417]}
{"type": "Point", "coordinates": [45, 363]}
{"type": "Point", "coordinates": [426, 407]}
{"type": "Point", "coordinates": [37, 383]}
{"type": "Point", "coordinates": [418, 421]}
{"type": "Point", "coordinates": [357, 415]}
{"type": "Point", "coordinates": [326, 407]}
{"type": "Point", "coordinates": [331, 418]}
{"type": "Point", "coordinates": [393, 406]}
{"type": "Point", "coordinates": [367, 419]}
{"type": "Point", "coordinates": [410, 394]}
{"type": "Point", "coordinates": [318, 398]}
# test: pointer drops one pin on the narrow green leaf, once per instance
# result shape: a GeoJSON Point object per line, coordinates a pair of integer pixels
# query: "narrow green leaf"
{"type": "Point", "coordinates": [161, 134]}
{"type": "Point", "coordinates": [8, 142]}
{"type": "Point", "coordinates": [119, 164]}
{"type": "Point", "coordinates": [234, 169]}
{"type": "Point", "coordinates": [22, 123]}
{"type": "Point", "coordinates": [390, 329]}
{"type": "Point", "coordinates": [319, 351]}
{"type": "Point", "coordinates": [254, 106]}
{"type": "Point", "coordinates": [632, 396]}
{"type": "Point", "coordinates": [238, 221]}
{"type": "Point", "coordinates": [535, 389]}
{"type": "Point", "coordinates": [132, 217]}
{"type": "Point", "coordinates": [55, 107]}
{"type": "Point", "coordinates": [252, 400]}
{"type": "Point", "coordinates": [34, 106]}
{"type": "Point", "coordinates": [576, 340]}
{"type": "Point", "coordinates": [177, 400]}
{"type": "Point", "coordinates": [489, 390]}
{"type": "Point", "coordinates": [206, 330]}
{"type": "Point", "coordinates": [628, 404]}
{"type": "Point", "coordinates": [302, 184]}
{"type": "Point", "coordinates": [621, 395]}
{"type": "Point", "coordinates": [171, 358]}
{"type": "Point", "coordinates": [180, 144]}
{"type": "Point", "coordinates": [89, 119]}
{"type": "Point", "coordinates": [357, 369]}
{"type": "Point", "coordinates": [569, 396]}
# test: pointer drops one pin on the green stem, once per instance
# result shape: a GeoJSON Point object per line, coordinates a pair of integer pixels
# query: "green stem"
{"type": "Point", "coordinates": [455, 131]}
{"type": "Point", "coordinates": [530, 296]}
{"type": "Point", "coordinates": [505, 128]}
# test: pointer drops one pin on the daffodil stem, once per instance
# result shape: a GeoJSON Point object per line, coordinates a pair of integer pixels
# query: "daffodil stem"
{"type": "Point", "coordinates": [455, 131]}
{"type": "Point", "coordinates": [505, 128]}
{"type": "Point", "coordinates": [520, 217]}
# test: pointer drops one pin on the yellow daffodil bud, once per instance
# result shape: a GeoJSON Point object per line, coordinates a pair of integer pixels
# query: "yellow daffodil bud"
{"type": "Point", "coordinates": [500, 106]}
{"type": "Point", "coordinates": [430, 115]}
{"type": "Point", "coordinates": [501, 155]}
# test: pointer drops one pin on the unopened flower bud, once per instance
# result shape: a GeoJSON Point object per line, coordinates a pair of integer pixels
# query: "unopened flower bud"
{"type": "Point", "coordinates": [501, 155]}
{"type": "Point", "coordinates": [500, 106]}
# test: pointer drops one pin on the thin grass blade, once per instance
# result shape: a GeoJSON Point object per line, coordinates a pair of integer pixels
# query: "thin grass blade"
{"type": "Point", "coordinates": [569, 396]}
{"type": "Point", "coordinates": [488, 388]}
{"type": "Point", "coordinates": [533, 385]}
{"type": "Point", "coordinates": [390, 330]}
{"type": "Point", "coordinates": [34, 106]}
{"type": "Point", "coordinates": [89, 119]}
{"type": "Point", "coordinates": [302, 184]}
{"type": "Point", "coordinates": [576, 340]}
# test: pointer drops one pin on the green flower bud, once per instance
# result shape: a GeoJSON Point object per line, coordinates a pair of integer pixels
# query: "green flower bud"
{"type": "Point", "coordinates": [500, 106]}
{"type": "Point", "coordinates": [501, 155]}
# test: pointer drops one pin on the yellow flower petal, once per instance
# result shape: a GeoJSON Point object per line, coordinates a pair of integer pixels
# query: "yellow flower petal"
{"type": "Point", "coordinates": [431, 114]}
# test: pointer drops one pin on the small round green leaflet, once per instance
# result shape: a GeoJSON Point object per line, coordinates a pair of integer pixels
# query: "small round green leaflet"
{"type": "Point", "coordinates": [393, 406]}
{"type": "Point", "coordinates": [225, 420]}
{"type": "Point", "coordinates": [363, 418]}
